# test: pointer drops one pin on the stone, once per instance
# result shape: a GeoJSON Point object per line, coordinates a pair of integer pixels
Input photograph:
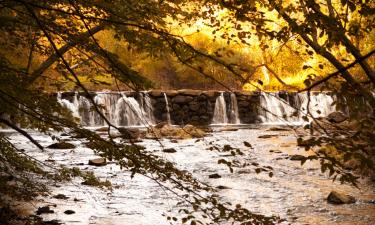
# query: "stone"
{"type": "Point", "coordinates": [182, 99]}
{"type": "Point", "coordinates": [171, 93]}
{"type": "Point", "coordinates": [337, 117]}
{"type": "Point", "coordinates": [160, 125]}
{"type": "Point", "coordinates": [228, 129]}
{"type": "Point", "coordinates": [214, 176]}
{"type": "Point", "coordinates": [340, 198]}
{"type": "Point", "coordinates": [61, 196]}
{"type": "Point", "coordinates": [102, 129]}
{"type": "Point", "coordinates": [189, 92]}
{"type": "Point", "coordinates": [69, 212]}
{"type": "Point", "coordinates": [169, 150]}
{"type": "Point", "coordinates": [193, 131]}
{"type": "Point", "coordinates": [44, 210]}
{"type": "Point", "coordinates": [61, 145]}
{"type": "Point", "coordinates": [98, 162]}
{"type": "Point", "coordinates": [222, 187]}
{"type": "Point", "coordinates": [129, 133]}
{"type": "Point", "coordinates": [156, 93]}
{"type": "Point", "coordinates": [278, 129]}
{"type": "Point", "coordinates": [247, 144]}
{"type": "Point", "coordinates": [297, 157]}
{"type": "Point", "coordinates": [267, 136]}
{"type": "Point", "coordinates": [210, 94]}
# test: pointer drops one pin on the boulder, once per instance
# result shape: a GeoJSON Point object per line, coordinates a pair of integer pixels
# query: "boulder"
{"type": "Point", "coordinates": [61, 196]}
{"type": "Point", "coordinates": [337, 117]}
{"type": "Point", "coordinates": [156, 93]}
{"type": "Point", "coordinates": [98, 162]}
{"type": "Point", "coordinates": [171, 93]}
{"type": "Point", "coordinates": [193, 131]}
{"type": "Point", "coordinates": [130, 133]}
{"type": "Point", "coordinates": [61, 145]}
{"type": "Point", "coordinates": [340, 198]}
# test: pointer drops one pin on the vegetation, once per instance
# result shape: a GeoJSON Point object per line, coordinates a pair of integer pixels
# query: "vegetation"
{"type": "Point", "coordinates": [270, 45]}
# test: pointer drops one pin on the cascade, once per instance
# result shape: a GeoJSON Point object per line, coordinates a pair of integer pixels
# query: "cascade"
{"type": "Point", "coordinates": [72, 106]}
{"type": "Point", "coordinates": [220, 111]}
{"type": "Point", "coordinates": [293, 108]}
{"type": "Point", "coordinates": [233, 110]}
{"type": "Point", "coordinates": [116, 107]}
{"type": "Point", "coordinates": [167, 108]}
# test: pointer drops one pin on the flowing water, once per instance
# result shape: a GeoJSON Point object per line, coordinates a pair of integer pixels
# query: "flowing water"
{"type": "Point", "coordinates": [167, 109]}
{"type": "Point", "coordinates": [295, 193]}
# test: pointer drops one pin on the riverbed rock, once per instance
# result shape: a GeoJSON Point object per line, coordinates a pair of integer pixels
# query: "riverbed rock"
{"type": "Point", "coordinates": [214, 176]}
{"type": "Point", "coordinates": [130, 133]}
{"type": "Point", "coordinates": [297, 157]}
{"type": "Point", "coordinates": [265, 136]}
{"type": "Point", "coordinates": [102, 129]}
{"type": "Point", "coordinates": [61, 196]}
{"type": "Point", "coordinates": [340, 198]}
{"type": "Point", "coordinates": [62, 145]}
{"type": "Point", "coordinates": [44, 210]}
{"type": "Point", "coordinates": [98, 162]}
{"type": "Point", "coordinates": [337, 117]}
{"type": "Point", "coordinates": [69, 212]}
{"type": "Point", "coordinates": [169, 150]}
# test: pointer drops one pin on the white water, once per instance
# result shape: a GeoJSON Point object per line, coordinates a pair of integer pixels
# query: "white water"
{"type": "Point", "coordinates": [295, 193]}
{"type": "Point", "coordinates": [226, 113]}
{"type": "Point", "coordinates": [297, 109]}
{"type": "Point", "coordinates": [167, 108]}
{"type": "Point", "coordinates": [118, 108]}
{"type": "Point", "coordinates": [220, 112]}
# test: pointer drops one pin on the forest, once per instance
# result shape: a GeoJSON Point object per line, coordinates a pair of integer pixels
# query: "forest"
{"type": "Point", "coordinates": [187, 112]}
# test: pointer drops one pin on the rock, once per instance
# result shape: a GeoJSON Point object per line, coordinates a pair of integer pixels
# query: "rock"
{"type": "Point", "coordinates": [156, 93]}
{"type": "Point", "coordinates": [171, 93]}
{"type": "Point", "coordinates": [189, 92]}
{"type": "Point", "coordinates": [228, 129]}
{"type": "Point", "coordinates": [308, 142]}
{"type": "Point", "coordinates": [169, 150]}
{"type": "Point", "coordinates": [193, 131]}
{"type": "Point", "coordinates": [69, 212]}
{"type": "Point", "coordinates": [182, 99]}
{"type": "Point", "coordinates": [336, 117]}
{"type": "Point", "coordinates": [247, 144]}
{"type": "Point", "coordinates": [98, 162]}
{"type": "Point", "coordinates": [340, 198]}
{"type": "Point", "coordinates": [160, 125]}
{"type": "Point", "coordinates": [214, 176]}
{"type": "Point", "coordinates": [209, 94]}
{"type": "Point", "coordinates": [44, 210]}
{"type": "Point", "coordinates": [173, 141]}
{"type": "Point", "coordinates": [61, 196]}
{"type": "Point", "coordinates": [130, 133]}
{"type": "Point", "coordinates": [61, 145]}
{"type": "Point", "coordinates": [221, 187]}
{"type": "Point", "coordinates": [64, 134]}
{"type": "Point", "coordinates": [267, 136]}
{"type": "Point", "coordinates": [278, 129]}
{"type": "Point", "coordinates": [297, 157]}
{"type": "Point", "coordinates": [102, 129]}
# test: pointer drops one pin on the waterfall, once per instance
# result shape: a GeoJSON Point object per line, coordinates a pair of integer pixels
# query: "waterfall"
{"type": "Point", "coordinates": [167, 108]}
{"type": "Point", "coordinates": [116, 107]}
{"type": "Point", "coordinates": [233, 110]}
{"type": "Point", "coordinates": [220, 111]}
{"type": "Point", "coordinates": [72, 106]}
{"type": "Point", "coordinates": [147, 108]}
{"type": "Point", "coordinates": [294, 107]}
{"type": "Point", "coordinates": [226, 113]}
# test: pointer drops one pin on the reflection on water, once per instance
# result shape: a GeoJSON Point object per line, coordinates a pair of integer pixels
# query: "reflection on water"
{"type": "Point", "coordinates": [295, 193]}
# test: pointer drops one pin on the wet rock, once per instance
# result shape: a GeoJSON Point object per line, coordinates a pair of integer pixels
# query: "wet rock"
{"type": "Point", "coordinates": [156, 93]}
{"type": "Point", "coordinates": [228, 129]}
{"type": "Point", "coordinates": [160, 125]}
{"type": "Point", "coordinates": [130, 133]}
{"type": "Point", "coordinates": [102, 129]}
{"type": "Point", "coordinates": [297, 157]}
{"type": "Point", "coordinates": [221, 187]}
{"type": "Point", "coordinates": [267, 136]}
{"type": "Point", "coordinates": [340, 198]}
{"type": "Point", "coordinates": [61, 145]}
{"type": "Point", "coordinates": [44, 210]}
{"type": "Point", "coordinates": [214, 176]}
{"type": "Point", "coordinates": [278, 129]}
{"type": "Point", "coordinates": [303, 143]}
{"type": "Point", "coordinates": [98, 162]}
{"type": "Point", "coordinates": [169, 150]}
{"type": "Point", "coordinates": [247, 144]}
{"type": "Point", "coordinates": [64, 135]}
{"type": "Point", "coordinates": [69, 212]}
{"type": "Point", "coordinates": [336, 117]}
{"type": "Point", "coordinates": [61, 196]}
{"type": "Point", "coordinates": [275, 151]}
{"type": "Point", "coordinates": [193, 131]}
{"type": "Point", "coordinates": [173, 141]}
